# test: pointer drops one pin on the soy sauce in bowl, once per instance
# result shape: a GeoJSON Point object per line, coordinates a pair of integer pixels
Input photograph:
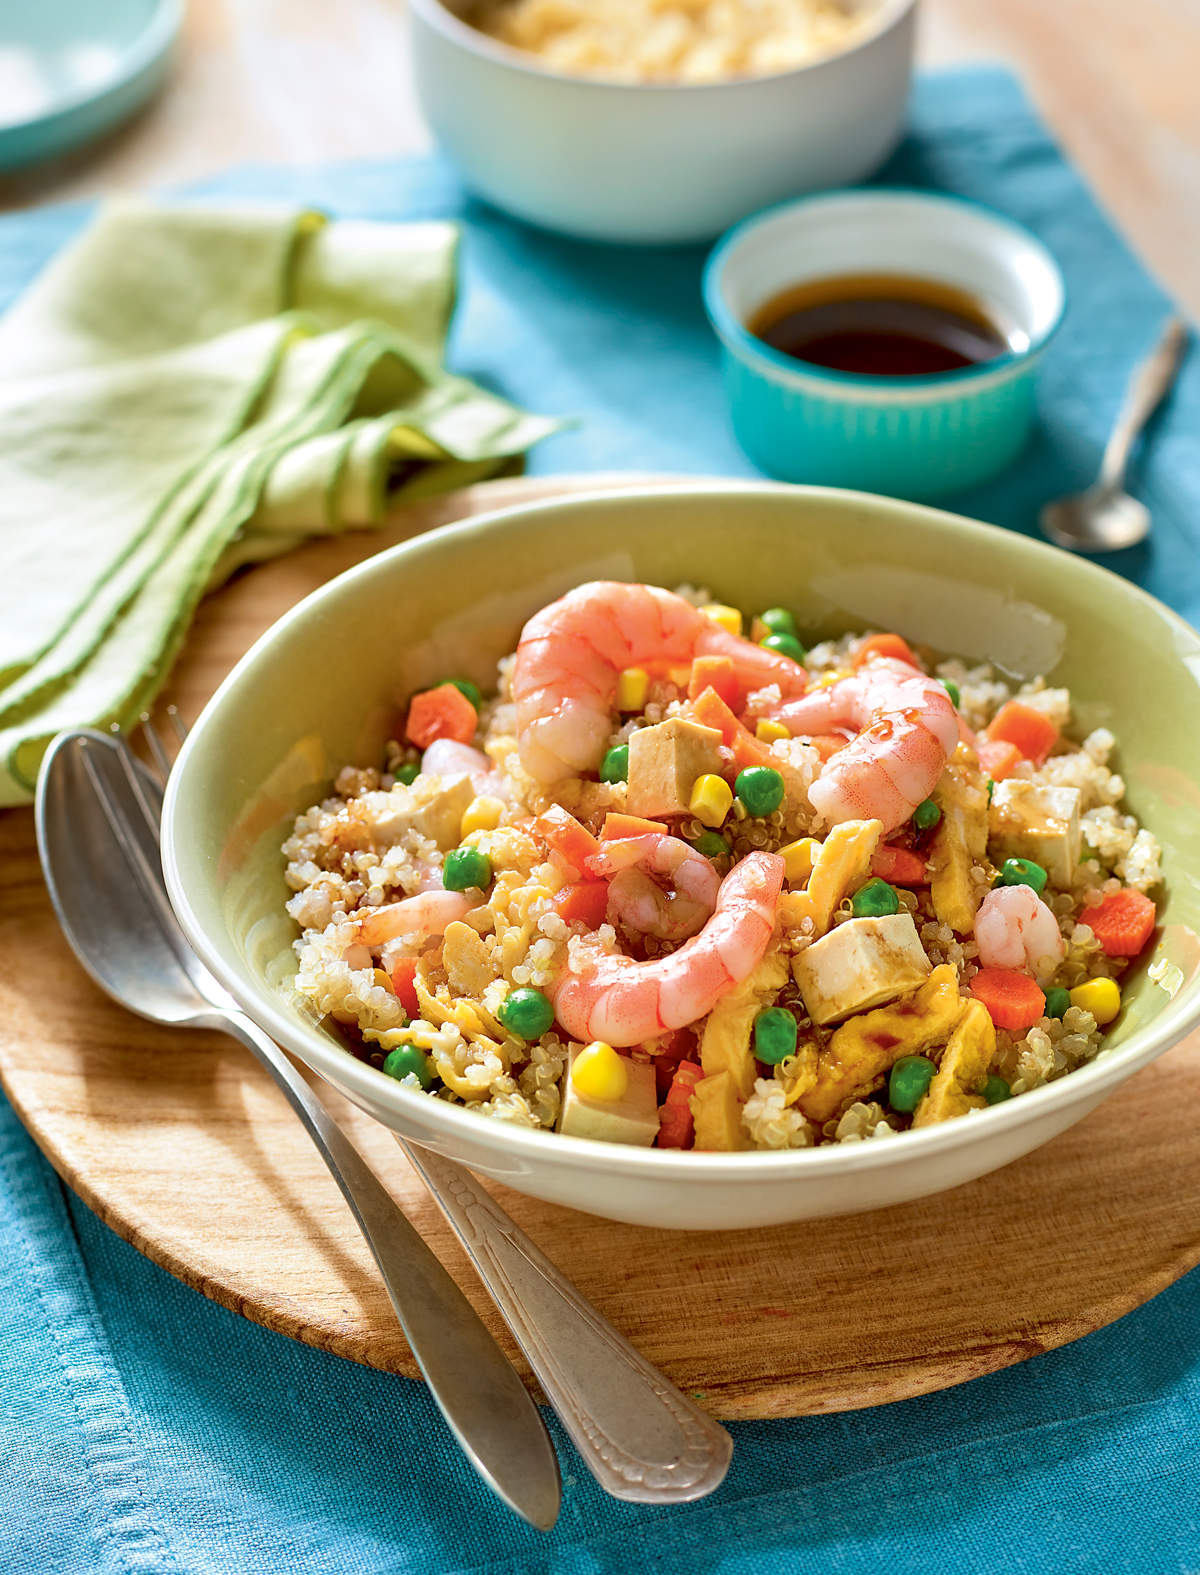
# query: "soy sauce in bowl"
{"type": "Point", "coordinates": [881, 325]}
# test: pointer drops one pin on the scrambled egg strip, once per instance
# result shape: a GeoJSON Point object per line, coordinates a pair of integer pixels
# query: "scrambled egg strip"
{"type": "Point", "coordinates": [866, 1046]}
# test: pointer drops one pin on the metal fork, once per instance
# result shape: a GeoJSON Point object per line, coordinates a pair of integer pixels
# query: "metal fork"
{"type": "Point", "coordinates": [640, 1437]}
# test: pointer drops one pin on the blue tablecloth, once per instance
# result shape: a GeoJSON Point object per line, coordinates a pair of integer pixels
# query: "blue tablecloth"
{"type": "Point", "coordinates": [143, 1429]}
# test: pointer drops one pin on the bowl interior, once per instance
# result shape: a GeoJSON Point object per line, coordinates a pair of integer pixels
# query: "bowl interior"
{"type": "Point", "coordinates": [456, 18]}
{"type": "Point", "coordinates": [894, 232]}
{"type": "Point", "coordinates": [326, 685]}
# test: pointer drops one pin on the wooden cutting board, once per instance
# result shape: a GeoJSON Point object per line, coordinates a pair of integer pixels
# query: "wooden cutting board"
{"type": "Point", "coordinates": [183, 1147]}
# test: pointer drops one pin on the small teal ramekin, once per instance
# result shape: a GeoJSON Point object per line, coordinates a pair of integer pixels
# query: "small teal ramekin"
{"type": "Point", "coordinates": [910, 437]}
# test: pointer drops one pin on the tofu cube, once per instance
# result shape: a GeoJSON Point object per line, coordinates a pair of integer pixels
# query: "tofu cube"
{"type": "Point", "coordinates": [631, 1119]}
{"type": "Point", "coordinates": [860, 964]}
{"type": "Point", "coordinates": [439, 816]}
{"type": "Point", "coordinates": [664, 762]}
{"type": "Point", "coordinates": [1038, 823]}
{"type": "Point", "coordinates": [717, 1113]}
{"type": "Point", "coordinates": [433, 807]}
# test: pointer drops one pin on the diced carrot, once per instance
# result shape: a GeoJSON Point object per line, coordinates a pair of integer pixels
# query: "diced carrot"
{"type": "Point", "coordinates": [617, 827]}
{"type": "Point", "coordinates": [827, 744]}
{"type": "Point", "coordinates": [403, 973]}
{"type": "Point", "coordinates": [1012, 998]}
{"type": "Point", "coordinates": [585, 903]}
{"type": "Point", "coordinates": [884, 645]}
{"type": "Point", "coordinates": [717, 672]}
{"type": "Point", "coordinates": [1034, 734]}
{"type": "Point", "coordinates": [444, 712]}
{"type": "Point", "coordinates": [998, 758]}
{"type": "Point", "coordinates": [711, 711]}
{"type": "Point", "coordinates": [1122, 923]}
{"type": "Point", "coordinates": [564, 835]}
{"type": "Point", "coordinates": [899, 866]}
{"type": "Point", "coordinates": [676, 1128]}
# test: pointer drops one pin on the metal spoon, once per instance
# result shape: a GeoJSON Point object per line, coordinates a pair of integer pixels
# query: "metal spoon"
{"type": "Point", "coordinates": [1105, 517]}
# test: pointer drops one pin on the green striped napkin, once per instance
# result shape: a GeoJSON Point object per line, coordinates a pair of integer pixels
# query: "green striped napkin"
{"type": "Point", "coordinates": [186, 390]}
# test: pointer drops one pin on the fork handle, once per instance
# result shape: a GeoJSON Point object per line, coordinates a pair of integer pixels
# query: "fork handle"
{"type": "Point", "coordinates": [638, 1435]}
{"type": "Point", "coordinates": [485, 1404]}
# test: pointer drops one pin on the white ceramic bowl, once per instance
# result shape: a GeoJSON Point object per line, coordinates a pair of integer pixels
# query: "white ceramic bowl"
{"type": "Point", "coordinates": [323, 687]}
{"type": "Point", "coordinates": [660, 162]}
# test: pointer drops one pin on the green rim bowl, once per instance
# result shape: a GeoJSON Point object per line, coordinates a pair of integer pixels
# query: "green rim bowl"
{"type": "Point", "coordinates": [323, 687]}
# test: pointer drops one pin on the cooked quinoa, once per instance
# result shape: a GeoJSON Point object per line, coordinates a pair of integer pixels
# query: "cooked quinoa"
{"type": "Point", "coordinates": [679, 41]}
{"type": "Point", "coordinates": [457, 901]}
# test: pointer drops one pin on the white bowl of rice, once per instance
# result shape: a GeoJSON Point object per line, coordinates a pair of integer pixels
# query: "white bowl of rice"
{"type": "Point", "coordinates": [275, 824]}
{"type": "Point", "coordinates": [625, 120]}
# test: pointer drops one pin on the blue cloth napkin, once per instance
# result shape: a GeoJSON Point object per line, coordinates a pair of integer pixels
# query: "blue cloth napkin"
{"type": "Point", "coordinates": [143, 1429]}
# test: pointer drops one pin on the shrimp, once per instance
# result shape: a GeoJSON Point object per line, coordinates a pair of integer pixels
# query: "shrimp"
{"type": "Point", "coordinates": [1015, 929]}
{"type": "Point", "coordinates": [636, 898]}
{"type": "Point", "coordinates": [623, 1002]}
{"type": "Point", "coordinates": [445, 757]}
{"type": "Point", "coordinates": [570, 655]}
{"type": "Point", "coordinates": [909, 730]}
{"type": "Point", "coordinates": [428, 913]}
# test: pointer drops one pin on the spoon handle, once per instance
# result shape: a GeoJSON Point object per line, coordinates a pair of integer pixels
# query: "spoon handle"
{"type": "Point", "coordinates": [638, 1435]}
{"type": "Point", "coordinates": [1147, 386]}
{"type": "Point", "coordinates": [486, 1405]}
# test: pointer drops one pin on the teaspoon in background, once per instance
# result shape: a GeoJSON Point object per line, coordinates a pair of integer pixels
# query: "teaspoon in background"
{"type": "Point", "coordinates": [1105, 518]}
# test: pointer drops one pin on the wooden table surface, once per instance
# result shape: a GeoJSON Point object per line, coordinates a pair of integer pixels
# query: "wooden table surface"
{"type": "Point", "coordinates": [299, 81]}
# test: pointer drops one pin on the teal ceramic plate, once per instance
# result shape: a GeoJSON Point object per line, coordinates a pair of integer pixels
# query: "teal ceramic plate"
{"type": "Point", "coordinates": [72, 69]}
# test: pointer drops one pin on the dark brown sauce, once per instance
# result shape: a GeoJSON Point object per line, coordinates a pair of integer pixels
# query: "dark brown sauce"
{"type": "Point", "coordinates": [886, 325]}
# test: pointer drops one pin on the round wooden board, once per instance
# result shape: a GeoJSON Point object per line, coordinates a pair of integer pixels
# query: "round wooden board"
{"type": "Point", "coordinates": [184, 1148]}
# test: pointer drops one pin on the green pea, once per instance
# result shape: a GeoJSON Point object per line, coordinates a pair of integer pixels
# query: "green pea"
{"type": "Point", "coordinates": [615, 765]}
{"type": "Point", "coordinates": [911, 1077]}
{"type": "Point", "coordinates": [408, 773]}
{"type": "Point", "coordinates": [874, 900]}
{"type": "Point", "coordinates": [1058, 1001]}
{"type": "Point", "coordinates": [526, 1013]}
{"type": "Point", "coordinates": [1022, 872]}
{"type": "Point", "coordinates": [760, 789]}
{"type": "Point", "coordinates": [951, 689]}
{"type": "Point", "coordinates": [774, 1035]}
{"type": "Point", "coordinates": [784, 645]}
{"type": "Point", "coordinates": [712, 844]}
{"type": "Point", "coordinates": [778, 620]}
{"type": "Point", "coordinates": [405, 1059]}
{"type": "Point", "coordinates": [466, 687]}
{"type": "Point", "coordinates": [465, 868]}
{"type": "Point", "coordinates": [996, 1091]}
{"type": "Point", "coordinates": [926, 815]}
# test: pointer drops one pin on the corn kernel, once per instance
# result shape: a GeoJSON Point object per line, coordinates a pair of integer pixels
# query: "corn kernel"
{"type": "Point", "coordinates": [598, 1072]}
{"type": "Point", "coordinates": [768, 731]}
{"type": "Point", "coordinates": [834, 677]}
{"type": "Point", "coordinates": [680, 676]}
{"type": "Point", "coordinates": [711, 800]}
{"type": "Point", "coordinates": [798, 859]}
{"type": "Point", "coordinates": [728, 617]}
{"type": "Point", "coordinates": [1101, 997]}
{"type": "Point", "coordinates": [482, 814]}
{"type": "Point", "coordinates": [633, 685]}
{"type": "Point", "coordinates": [383, 979]}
